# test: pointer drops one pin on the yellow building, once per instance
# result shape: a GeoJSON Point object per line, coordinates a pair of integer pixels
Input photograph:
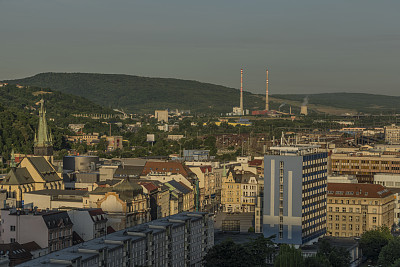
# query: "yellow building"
{"type": "Point", "coordinates": [231, 193]}
{"type": "Point", "coordinates": [355, 208]}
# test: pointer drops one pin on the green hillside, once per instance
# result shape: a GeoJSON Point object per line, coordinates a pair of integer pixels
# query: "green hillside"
{"type": "Point", "coordinates": [142, 94]}
{"type": "Point", "coordinates": [368, 103]}
{"type": "Point", "coordinates": [58, 104]}
{"type": "Point", "coordinates": [19, 116]}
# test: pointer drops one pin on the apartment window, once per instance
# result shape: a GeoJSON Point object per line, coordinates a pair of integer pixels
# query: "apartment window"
{"type": "Point", "coordinates": [12, 228]}
{"type": "Point", "coordinates": [357, 227]}
{"type": "Point", "coordinates": [350, 209]}
{"type": "Point", "coordinates": [337, 209]}
{"type": "Point", "coordinates": [330, 226]}
{"type": "Point", "coordinates": [350, 218]}
{"type": "Point", "coordinates": [330, 208]}
{"type": "Point", "coordinates": [357, 218]}
{"type": "Point", "coordinates": [350, 227]}
{"type": "Point", "coordinates": [336, 226]}
{"type": "Point", "coordinates": [343, 209]}
{"type": "Point", "coordinates": [330, 217]}
{"type": "Point", "coordinates": [343, 218]}
{"type": "Point", "coordinates": [374, 219]}
{"type": "Point", "coordinates": [357, 210]}
{"type": "Point", "coordinates": [337, 218]}
{"type": "Point", "coordinates": [343, 227]}
{"type": "Point", "coordinates": [12, 240]}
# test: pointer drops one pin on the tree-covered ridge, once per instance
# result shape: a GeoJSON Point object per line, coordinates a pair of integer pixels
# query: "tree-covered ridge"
{"type": "Point", "coordinates": [361, 102]}
{"type": "Point", "coordinates": [143, 94]}
{"type": "Point", "coordinates": [56, 103]}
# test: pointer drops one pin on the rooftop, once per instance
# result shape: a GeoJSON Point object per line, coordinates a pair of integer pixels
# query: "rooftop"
{"type": "Point", "coordinates": [357, 190]}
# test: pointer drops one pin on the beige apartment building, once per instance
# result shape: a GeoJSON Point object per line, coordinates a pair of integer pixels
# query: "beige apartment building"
{"type": "Point", "coordinates": [364, 167]}
{"type": "Point", "coordinates": [392, 134]}
{"type": "Point", "coordinates": [355, 208]}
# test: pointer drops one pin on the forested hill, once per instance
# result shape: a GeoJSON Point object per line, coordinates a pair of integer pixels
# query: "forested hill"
{"type": "Point", "coordinates": [143, 94]}
{"type": "Point", "coordinates": [57, 104]}
{"type": "Point", "coordinates": [19, 116]}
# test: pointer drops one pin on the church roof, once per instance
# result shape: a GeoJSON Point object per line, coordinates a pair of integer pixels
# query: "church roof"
{"type": "Point", "coordinates": [45, 168]}
{"type": "Point", "coordinates": [18, 176]}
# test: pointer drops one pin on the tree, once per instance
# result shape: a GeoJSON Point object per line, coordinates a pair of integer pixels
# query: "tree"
{"type": "Point", "coordinates": [373, 241]}
{"type": "Point", "coordinates": [289, 256]}
{"type": "Point", "coordinates": [318, 260]}
{"type": "Point", "coordinates": [227, 254]}
{"type": "Point", "coordinates": [390, 253]}
{"type": "Point", "coordinates": [337, 256]}
{"type": "Point", "coordinates": [259, 249]}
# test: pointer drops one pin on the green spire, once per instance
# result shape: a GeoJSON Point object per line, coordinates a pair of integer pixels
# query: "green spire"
{"type": "Point", "coordinates": [43, 138]}
{"type": "Point", "coordinates": [224, 172]}
{"type": "Point", "coordinates": [12, 163]}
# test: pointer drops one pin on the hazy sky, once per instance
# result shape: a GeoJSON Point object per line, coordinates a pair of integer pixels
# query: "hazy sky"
{"type": "Point", "coordinates": [309, 46]}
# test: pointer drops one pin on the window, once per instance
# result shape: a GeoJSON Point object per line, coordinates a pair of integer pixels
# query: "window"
{"type": "Point", "coordinates": [337, 218]}
{"type": "Point", "coordinates": [12, 240]}
{"type": "Point", "coordinates": [337, 209]}
{"type": "Point", "coordinates": [373, 219]}
{"type": "Point", "coordinates": [357, 227]}
{"type": "Point", "coordinates": [343, 227]}
{"type": "Point", "coordinates": [12, 228]}
{"type": "Point", "coordinates": [337, 226]}
{"type": "Point", "coordinates": [330, 217]}
{"type": "Point", "coordinates": [357, 218]}
{"type": "Point", "coordinates": [330, 209]}
{"type": "Point", "coordinates": [343, 209]}
{"type": "Point", "coordinates": [350, 227]}
{"type": "Point", "coordinates": [343, 218]}
{"type": "Point", "coordinates": [350, 218]}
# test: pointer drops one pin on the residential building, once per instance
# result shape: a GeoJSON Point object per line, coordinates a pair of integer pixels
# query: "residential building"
{"type": "Point", "coordinates": [161, 115]}
{"type": "Point", "coordinates": [15, 253]}
{"type": "Point", "coordinates": [392, 134]}
{"type": "Point", "coordinates": [89, 223]}
{"type": "Point", "coordinates": [295, 194]}
{"type": "Point", "coordinates": [125, 203]}
{"type": "Point", "coordinates": [179, 240]}
{"type": "Point", "coordinates": [159, 198]}
{"type": "Point", "coordinates": [356, 208]}
{"type": "Point", "coordinates": [52, 229]}
{"type": "Point", "coordinates": [231, 192]}
{"type": "Point", "coordinates": [114, 142]}
{"type": "Point", "coordinates": [187, 194]}
{"type": "Point", "coordinates": [392, 182]}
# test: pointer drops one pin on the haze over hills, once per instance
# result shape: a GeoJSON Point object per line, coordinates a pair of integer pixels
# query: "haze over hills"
{"type": "Point", "coordinates": [145, 94]}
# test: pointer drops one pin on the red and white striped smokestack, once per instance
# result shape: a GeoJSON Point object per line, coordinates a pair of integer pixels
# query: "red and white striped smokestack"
{"type": "Point", "coordinates": [241, 92]}
{"type": "Point", "coordinates": [266, 95]}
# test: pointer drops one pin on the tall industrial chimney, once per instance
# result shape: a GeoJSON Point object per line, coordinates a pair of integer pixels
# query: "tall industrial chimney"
{"type": "Point", "coordinates": [241, 92]}
{"type": "Point", "coordinates": [266, 96]}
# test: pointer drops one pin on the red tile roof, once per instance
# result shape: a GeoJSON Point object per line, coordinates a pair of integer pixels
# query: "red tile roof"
{"type": "Point", "coordinates": [149, 186]}
{"type": "Point", "coordinates": [255, 162]}
{"type": "Point", "coordinates": [357, 190]}
{"type": "Point", "coordinates": [205, 168]}
{"type": "Point", "coordinates": [164, 167]}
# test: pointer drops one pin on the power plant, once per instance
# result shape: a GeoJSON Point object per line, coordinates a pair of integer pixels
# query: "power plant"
{"type": "Point", "coordinates": [241, 92]}
{"type": "Point", "coordinates": [266, 95]}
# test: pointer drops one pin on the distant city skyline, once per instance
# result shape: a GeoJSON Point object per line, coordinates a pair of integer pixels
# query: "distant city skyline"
{"type": "Point", "coordinates": [308, 46]}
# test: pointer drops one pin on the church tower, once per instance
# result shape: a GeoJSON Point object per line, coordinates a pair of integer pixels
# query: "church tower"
{"type": "Point", "coordinates": [43, 145]}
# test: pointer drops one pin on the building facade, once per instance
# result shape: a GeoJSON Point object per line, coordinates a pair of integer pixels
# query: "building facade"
{"type": "Point", "coordinates": [295, 194]}
{"type": "Point", "coordinates": [356, 208]}
{"type": "Point", "coordinates": [392, 134]}
{"type": "Point", "coordinates": [180, 240]}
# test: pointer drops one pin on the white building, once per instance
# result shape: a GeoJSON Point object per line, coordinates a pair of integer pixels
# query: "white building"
{"type": "Point", "coordinates": [391, 181]}
{"type": "Point", "coordinates": [89, 223]}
